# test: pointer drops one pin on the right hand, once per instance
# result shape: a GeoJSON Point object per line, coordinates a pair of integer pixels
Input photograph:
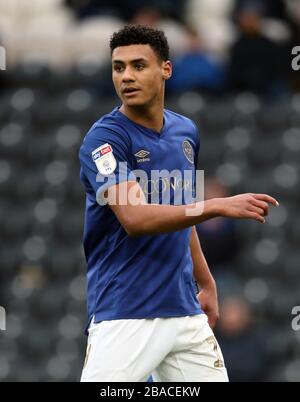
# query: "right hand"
{"type": "Point", "coordinates": [252, 206]}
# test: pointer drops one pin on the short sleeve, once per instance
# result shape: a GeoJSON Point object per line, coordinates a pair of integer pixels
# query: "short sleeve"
{"type": "Point", "coordinates": [197, 148]}
{"type": "Point", "coordinates": [106, 160]}
{"type": "Point", "coordinates": [196, 160]}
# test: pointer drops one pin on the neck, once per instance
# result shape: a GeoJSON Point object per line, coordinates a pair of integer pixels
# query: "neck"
{"type": "Point", "coordinates": [149, 116]}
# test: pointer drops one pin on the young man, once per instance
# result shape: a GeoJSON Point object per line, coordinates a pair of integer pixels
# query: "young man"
{"type": "Point", "coordinates": [143, 257]}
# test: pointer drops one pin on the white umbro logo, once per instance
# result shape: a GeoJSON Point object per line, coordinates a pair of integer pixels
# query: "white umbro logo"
{"type": "Point", "coordinates": [142, 156]}
{"type": "Point", "coordinates": [142, 153]}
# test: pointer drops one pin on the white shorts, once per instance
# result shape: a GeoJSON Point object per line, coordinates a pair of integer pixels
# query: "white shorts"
{"type": "Point", "coordinates": [175, 349]}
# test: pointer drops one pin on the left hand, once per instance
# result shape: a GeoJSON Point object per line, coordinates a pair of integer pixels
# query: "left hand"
{"type": "Point", "coordinates": [208, 300]}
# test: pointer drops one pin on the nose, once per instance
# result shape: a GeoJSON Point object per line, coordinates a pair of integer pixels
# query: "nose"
{"type": "Point", "coordinates": [127, 75]}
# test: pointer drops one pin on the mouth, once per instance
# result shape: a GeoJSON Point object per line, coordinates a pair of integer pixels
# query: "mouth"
{"type": "Point", "coordinates": [128, 92]}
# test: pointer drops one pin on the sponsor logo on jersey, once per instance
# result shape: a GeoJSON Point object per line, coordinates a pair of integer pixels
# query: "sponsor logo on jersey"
{"type": "Point", "coordinates": [142, 156]}
{"type": "Point", "coordinates": [104, 159]}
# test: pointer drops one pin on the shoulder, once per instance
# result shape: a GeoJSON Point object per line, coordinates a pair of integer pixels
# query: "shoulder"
{"type": "Point", "coordinates": [179, 118]}
{"type": "Point", "coordinates": [188, 124]}
{"type": "Point", "coordinates": [108, 129]}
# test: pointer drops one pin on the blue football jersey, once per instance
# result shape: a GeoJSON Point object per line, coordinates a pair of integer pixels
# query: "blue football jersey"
{"type": "Point", "coordinates": [148, 276]}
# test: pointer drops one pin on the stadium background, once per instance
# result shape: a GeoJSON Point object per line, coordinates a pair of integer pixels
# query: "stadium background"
{"type": "Point", "coordinates": [233, 76]}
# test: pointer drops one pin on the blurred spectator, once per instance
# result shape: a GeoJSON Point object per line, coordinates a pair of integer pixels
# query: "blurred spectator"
{"type": "Point", "coordinates": [125, 10]}
{"type": "Point", "coordinates": [244, 347]}
{"type": "Point", "coordinates": [195, 69]}
{"type": "Point", "coordinates": [271, 8]}
{"type": "Point", "coordinates": [218, 236]}
{"type": "Point", "coordinates": [153, 16]}
{"type": "Point", "coordinates": [170, 9]}
{"type": "Point", "coordinates": [211, 18]}
{"type": "Point", "coordinates": [255, 59]}
{"type": "Point", "coordinates": [91, 8]}
{"type": "Point", "coordinates": [149, 16]}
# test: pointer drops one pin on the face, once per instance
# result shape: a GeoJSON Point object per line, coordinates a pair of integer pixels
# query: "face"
{"type": "Point", "coordinates": [138, 74]}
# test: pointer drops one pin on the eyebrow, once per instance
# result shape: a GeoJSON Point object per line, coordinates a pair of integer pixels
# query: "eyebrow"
{"type": "Point", "coordinates": [131, 61]}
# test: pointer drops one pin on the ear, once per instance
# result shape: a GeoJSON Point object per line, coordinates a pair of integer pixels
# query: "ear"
{"type": "Point", "coordinates": [167, 70]}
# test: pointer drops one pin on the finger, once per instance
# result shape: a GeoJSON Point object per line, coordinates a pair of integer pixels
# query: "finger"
{"type": "Point", "coordinates": [257, 217]}
{"type": "Point", "coordinates": [267, 198]}
{"type": "Point", "coordinates": [257, 210]}
{"type": "Point", "coordinates": [262, 205]}
{"type": "Point", "coordinates": [211, 324]}
{"type": "Point", "coordinates": [215, 318]}
{"type": "Point", "coordinates": [212, 321]}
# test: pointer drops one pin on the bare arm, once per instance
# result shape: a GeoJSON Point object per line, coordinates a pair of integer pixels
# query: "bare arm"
{"type": "Point", "coordinates": [208, 297]}
{"type": "Point", "coordinates": [140, 218]}
{"type": "Point", "coordinates": [202, 273]}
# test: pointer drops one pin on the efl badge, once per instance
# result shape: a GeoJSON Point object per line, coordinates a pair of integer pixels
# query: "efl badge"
{"type": "Point", "coordinates": [104, 159]}
{"type": "Point", "coordinates": [188, 151]}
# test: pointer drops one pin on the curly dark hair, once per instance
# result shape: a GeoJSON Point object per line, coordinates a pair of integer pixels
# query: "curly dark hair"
{"type": "Point", "coordinates": [141, 35]}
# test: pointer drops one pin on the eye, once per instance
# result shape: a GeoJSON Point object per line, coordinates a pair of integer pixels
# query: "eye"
{"type": "Point", "coordinates": [118, 69]}
{"type": "Point", "coordinates": [139, 66]}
